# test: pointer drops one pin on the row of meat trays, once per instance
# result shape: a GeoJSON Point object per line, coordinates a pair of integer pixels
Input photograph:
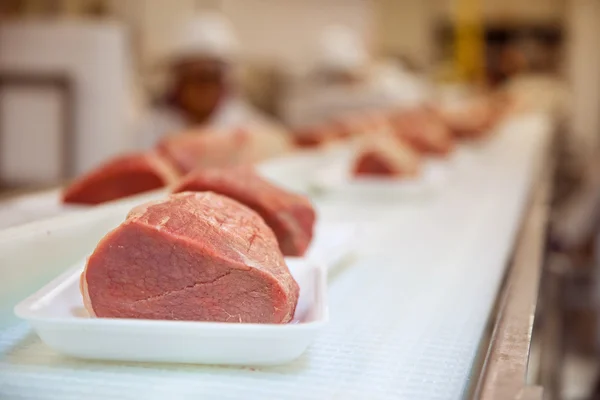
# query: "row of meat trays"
{"type": "Point", "coordinates": [194, 276]}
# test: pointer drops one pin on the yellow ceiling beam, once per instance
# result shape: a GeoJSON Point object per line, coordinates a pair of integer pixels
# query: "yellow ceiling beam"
{"type": "Point", "coordinates": [469, 44]}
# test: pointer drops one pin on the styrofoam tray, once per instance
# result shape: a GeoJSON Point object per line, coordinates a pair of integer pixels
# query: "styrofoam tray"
{"type": "Point", "coordinates": [27, 208]}
{"type": "Point", "coordinates": [57, 314]}
{"type": "Point", "coordinates": [295, 171]}
{"type": "Point", "coordinates": [337, 178]}
{"type": "Point", "coordinates": [333, 243]}
{"type": "Point", "coordinates": [38, 206]}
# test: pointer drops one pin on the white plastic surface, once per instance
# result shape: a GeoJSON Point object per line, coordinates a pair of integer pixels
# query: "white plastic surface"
{"type": "Point", "coordinates": [296, 171]}
{"type": "Point", "coordinates": [337, 179]}
{"type": "Point", "coordinates": [407, 315]}
{"type": "Point", "coordinates": [57, 314]}
{"type": "Point", "coordinates": [333, 243]}
{"type": "Point", "coordinates": [28, 208]}
{"type": "Point", "coordinates": [95, 55]}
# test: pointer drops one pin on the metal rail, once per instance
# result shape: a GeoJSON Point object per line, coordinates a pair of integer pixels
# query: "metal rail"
{"type": "Point", "coordinates": [504, 370]}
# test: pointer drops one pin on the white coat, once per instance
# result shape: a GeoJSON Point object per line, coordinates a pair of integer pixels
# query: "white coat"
{"type": "Point", "coordinates": [387, 86]}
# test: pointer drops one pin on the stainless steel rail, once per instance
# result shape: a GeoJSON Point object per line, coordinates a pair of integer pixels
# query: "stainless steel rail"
{"type": "Point", "coordinates": [504, 371]}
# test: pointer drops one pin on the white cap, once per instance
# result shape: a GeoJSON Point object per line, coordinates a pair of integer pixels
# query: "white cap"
{"type": "Point", "coordinates": [342, 49]}
{"type": "Point", "coordinates": [208, 34]}
{"type": "Point", "coordinates": [401, 85]}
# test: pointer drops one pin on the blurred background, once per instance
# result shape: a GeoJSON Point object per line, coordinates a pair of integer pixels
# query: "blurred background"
{"type": "Point", "coordinates": [87, 68]}
{"type": "Point", "coordinates": [77, 76]}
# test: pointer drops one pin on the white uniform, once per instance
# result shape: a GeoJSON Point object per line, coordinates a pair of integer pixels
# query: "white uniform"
{"type": "Point", "coordinates": [386, 87]}
{"type": "Point", "coordinates": [381, 86]}
{"type": "Point", "coordinates": [400, 87]}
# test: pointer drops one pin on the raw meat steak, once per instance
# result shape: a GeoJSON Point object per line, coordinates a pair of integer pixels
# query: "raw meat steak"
{"type": "Point", "coordinates": [289, 215]}
{"type": "Point", "coordinates": [210, 148]}
{"type": "Point", "coordinates": [192, 256]}
{"type": "Point", "coordinates": [424, 131]}
{"type": "Point", "coordinates": [473, 117]}
{"type": "Point", "coordinates": [365, 123]}
{"type": "Point", "coordinates": [265, 140]}
{"type": "Point", "coordinates": [317, 136]}
{"type": "Point", "coordinates": [121, 177]}
{"type": "Point", "coordinates": [203, 148]}
{"type": "Point", "coordinates": [384, 155]}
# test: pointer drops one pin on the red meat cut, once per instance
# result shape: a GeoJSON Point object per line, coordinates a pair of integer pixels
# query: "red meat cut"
{"type": "Point", "coordinates": [121, 177]}
{"type": "Point", "coordinates": [204, 148]}
{"type": "Point", "coordinates": [474, 117]}
{"type": "Point", "coordinates": [319, 135]}
{"type": "Point", "coordinates": [291, 216]}
{"type": "Point", "coordinates": [192, 256]}
{"type": "Point", "coordinates": [372, 163]}
{"type": "Point", "coordinates": [224, 147]}
{"type": "Point", "coordinates": [385, 155]}
{"type": "Point", "coordinates": [366, 123]}
{"type": "Point", "coordinates": [424, 130]}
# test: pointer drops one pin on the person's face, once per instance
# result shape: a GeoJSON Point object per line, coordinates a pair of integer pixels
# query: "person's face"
{"type": "Point", "coordinates": [200, 84]}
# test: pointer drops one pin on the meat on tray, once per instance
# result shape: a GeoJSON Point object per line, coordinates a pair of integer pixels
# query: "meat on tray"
{"type": "Point", "coordinates": [385, 155]}
{"type": "Point", "coordinates": [264, 141]}
{"type": "Point", "coordinates": [472, 118]}
{"type": "Point", "coordinates": [424, 130]}
{"type": "Point", "coordinates": [192, 256]}
{"type": "Point", "coordinates": [291, 216]}
{"type": "Point", "coordinates": [120, 177]}
{"type": "Point", "coordinates": [202, 149]}
{"type": "Point", "coordinates": [210, 148]}
{"type": "Point", "coordinates": [365, 123]}
{"type": "Point", "coordinates": [318, 136]}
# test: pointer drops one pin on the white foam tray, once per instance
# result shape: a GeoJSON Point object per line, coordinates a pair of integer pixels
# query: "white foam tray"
{"type": "Point", "coordinates": [29, 208]}
{"type": "Point", "coordinates": [337, 179]}
{"type": "Point", "coordinates": [296, 171]}
{"type": "Point", "coordinates": [333, 244]}
{"type": "Point", "coordinates": [57, 314]}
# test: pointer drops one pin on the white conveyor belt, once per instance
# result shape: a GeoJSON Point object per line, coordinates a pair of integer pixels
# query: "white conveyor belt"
{"type": "Point", "coordinates": [407, 316]}
{"type": "Point", "coordinates": [31, 207]}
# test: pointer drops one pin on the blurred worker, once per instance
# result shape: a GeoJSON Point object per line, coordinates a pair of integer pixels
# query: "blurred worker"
{"type": "Point", "coordinates": [530, 80]}
{"type": "Point", "coordinates": [346, 80]}
{"type": "Point", "coordinates": [202, 90]}
{"type": "Point", "coordinates": [577, 220]}
{"type": "Point", "coordinates": [533, 86]}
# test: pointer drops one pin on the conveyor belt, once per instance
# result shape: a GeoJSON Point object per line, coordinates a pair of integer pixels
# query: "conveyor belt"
{"type": "Point", "coordinates": [407, 316]}
{"type": "Point", "coordinates": [30, 207]}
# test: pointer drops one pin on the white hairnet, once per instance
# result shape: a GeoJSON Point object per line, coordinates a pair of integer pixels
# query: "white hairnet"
{"type": "Point", "coordinates": [341, 48]}
{"type": "Point", "coordinates": [397, 83]}
{"type": "Point", "coordinates": [208, 34]}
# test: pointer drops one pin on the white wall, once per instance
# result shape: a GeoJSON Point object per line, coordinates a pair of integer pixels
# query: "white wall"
{"type": "Point", "coordinates": [152, 24]}
{"type": "Point", "coordinates": [405, 27]}
{"type": "Point", "coordinates": [30, 143]}
{"type": "Point", "coordinates": [287, 31]}
{"type": "Point", "coordinates": [278, 30]}
{"type": "Point", "coordinates": [95, 56]}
